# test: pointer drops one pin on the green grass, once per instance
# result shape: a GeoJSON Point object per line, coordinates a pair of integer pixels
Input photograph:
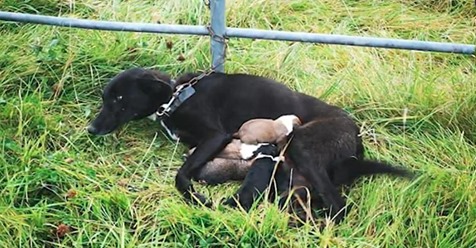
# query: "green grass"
{"type": "Point", "coordinates": [416, 109]}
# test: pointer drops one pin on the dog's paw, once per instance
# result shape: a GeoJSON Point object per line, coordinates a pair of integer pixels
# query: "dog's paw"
{"type": "Point", "coordinates": [202, 182]}
{"type": "Point", "coordinates": [231, 202]}
{"type": "Point", "coordinates": [199, 199]}
{"type": "Point", "coordinates": [294, 223]}
{"type": "Point", "coordinates": [235, 201]}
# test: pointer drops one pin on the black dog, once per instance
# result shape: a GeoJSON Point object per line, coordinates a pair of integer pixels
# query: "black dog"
{"type": "Point", "coordinates": [220, 105]}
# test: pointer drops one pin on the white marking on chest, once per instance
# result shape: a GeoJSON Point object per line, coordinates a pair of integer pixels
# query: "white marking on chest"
{"type": "Point", "coordinates": [170, 133]}
{"type": "Point", "coordinates": [247, 150]}
{"type": "Point", "coordinates": [152, 117]}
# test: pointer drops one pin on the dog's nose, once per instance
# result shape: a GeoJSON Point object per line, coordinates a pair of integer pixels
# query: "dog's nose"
{"type": "Point", "coordinates": [91, 129]}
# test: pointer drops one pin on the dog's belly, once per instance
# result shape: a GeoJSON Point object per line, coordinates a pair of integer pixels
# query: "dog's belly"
{"type": "Point", "coordinates": [222, 103]}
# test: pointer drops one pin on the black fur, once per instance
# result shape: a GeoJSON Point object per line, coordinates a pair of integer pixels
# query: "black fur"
{"type": "Point", "coordinates": [221, 104]}
{"type": "Point", "coordinates": [122, 103]}
{"type": "Point", "coordinates": [347, 171]}
{"type": "Point", "coordinates": [343, 173]}
{"type": "Point", "coordinates": [256, 182]}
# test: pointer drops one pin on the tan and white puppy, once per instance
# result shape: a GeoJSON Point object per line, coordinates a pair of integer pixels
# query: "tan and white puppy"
{"type": "Point", "coordinates": [257, 131]}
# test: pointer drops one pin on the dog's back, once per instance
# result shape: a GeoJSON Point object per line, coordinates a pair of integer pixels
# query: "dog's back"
{"type": "Point", "coordinates": [237, 98]}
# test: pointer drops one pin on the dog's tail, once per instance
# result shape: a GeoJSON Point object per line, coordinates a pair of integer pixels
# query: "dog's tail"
{"type": "Point", "coordinates": [345, 172]}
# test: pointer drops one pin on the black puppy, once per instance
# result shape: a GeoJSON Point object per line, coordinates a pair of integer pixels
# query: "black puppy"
{"type": "Point", "coordinates": [342, 173]}
{"type": "Point", "coordinates": [287, 180]}
{"type": "Point", "coordinates": [258, 179]}
{"type": "Point", "coordinates": [221, 103]}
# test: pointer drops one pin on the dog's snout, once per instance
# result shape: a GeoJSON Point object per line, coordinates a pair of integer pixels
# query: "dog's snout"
{"type": "Point", "coordinates": [91, 129]}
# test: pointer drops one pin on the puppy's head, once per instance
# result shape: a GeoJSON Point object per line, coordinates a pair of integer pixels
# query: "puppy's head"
{"type": "Point", "coordinates": [267, 149]}
{"type": "Point", "coordinates": [290, 122]}
{"type": "Point", "coordinates": [131, 95]}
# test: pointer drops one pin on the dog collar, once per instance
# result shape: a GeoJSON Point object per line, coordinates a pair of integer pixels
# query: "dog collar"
{"type": "Point", "coordinates": [181, 94]}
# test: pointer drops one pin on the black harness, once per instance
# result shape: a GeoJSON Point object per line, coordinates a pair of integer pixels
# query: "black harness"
{"type": "Point", "coordinates": [181, 94]}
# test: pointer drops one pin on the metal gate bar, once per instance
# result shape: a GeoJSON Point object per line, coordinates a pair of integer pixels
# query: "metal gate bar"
{"type": "Point", "coordinates": [219, 32]}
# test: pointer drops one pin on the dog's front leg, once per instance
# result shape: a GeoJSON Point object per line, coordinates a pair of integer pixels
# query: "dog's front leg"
{"type": "Point", "coordinates": [204, 151]}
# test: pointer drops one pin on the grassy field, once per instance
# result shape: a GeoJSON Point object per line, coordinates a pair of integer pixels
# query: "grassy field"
{"type": "Point", "coordinates": [60, 187]}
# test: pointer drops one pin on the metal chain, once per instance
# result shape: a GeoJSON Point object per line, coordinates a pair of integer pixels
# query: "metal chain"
{"type": "Point", "coordinates": [218, 38]}
{"type": "Point", "coordinates": [221, 39]}
{"type": "Point", "coordinates": [207, 3]}
{"type": "Point", "coordinates": [195, 80]}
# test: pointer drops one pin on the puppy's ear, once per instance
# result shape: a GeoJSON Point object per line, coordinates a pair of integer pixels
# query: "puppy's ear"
{"type": "Point", "coordinates": [297, 122]}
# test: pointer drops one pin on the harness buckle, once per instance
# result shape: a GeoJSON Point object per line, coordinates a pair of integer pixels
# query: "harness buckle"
{"type": "Point", "coordinates": [182, 92]}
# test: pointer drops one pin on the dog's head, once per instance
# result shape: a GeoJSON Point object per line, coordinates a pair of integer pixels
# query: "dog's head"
{"type": "Point", "coordinates": [131, 95]}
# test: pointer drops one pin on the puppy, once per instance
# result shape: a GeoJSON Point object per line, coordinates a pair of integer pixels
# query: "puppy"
{"type": "Point", "coordinates": [221, 170]}
{"type": "Point", "coordinates": [267, 130]}
{"type": "Point", "coordinates": [230, 165]}
{"type": "Point", "coordinates": [293, 186]}
{"type": "Point", "coordinates": [258, 179]}
{"type": "Point", "coordinates": [233, 163]}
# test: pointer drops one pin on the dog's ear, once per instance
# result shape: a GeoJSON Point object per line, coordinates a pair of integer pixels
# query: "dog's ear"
{"type": "Point", "coordinates": [157, 84]}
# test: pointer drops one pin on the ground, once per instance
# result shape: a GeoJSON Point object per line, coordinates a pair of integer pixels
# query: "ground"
{"type": "Point", "coordinates": [63, 188]}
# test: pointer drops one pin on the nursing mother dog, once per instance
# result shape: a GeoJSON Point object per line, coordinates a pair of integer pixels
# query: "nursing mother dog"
{"type": "Point", "coordinates": [204, 111]}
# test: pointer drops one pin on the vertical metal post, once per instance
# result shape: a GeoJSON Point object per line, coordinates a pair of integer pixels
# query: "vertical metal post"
{"type": "Point", "coordinates": [217, 40]}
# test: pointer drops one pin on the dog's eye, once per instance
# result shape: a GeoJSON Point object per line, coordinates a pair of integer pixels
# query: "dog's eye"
{"type": "Point", "coordinates": [117, 99]}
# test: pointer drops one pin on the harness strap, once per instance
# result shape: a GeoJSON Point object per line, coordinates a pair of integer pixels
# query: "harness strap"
{"type": "Point", "coordinates": [280, 159]}
{"type": "Point", "coordinates": [180, 95]}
